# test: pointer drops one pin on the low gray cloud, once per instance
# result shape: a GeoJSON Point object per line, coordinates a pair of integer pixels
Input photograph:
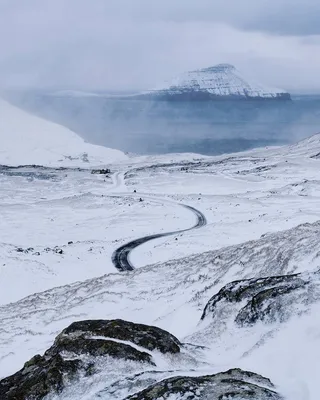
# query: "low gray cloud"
{"type": "Point", "coordinates": [132, 44]}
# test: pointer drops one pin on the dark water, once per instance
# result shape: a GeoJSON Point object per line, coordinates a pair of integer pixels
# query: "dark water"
{"type": "Point", "coordinates": [147, 127]}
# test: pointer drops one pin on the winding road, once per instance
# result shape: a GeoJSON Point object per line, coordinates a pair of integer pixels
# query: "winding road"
{"type": "Point", "coordinates": [120, 257]}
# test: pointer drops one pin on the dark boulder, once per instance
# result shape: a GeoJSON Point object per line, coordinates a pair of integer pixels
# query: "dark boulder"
{"type": "Point", "coordinates": [74, 351]}
{"type": "Point", "coordinates": [105, 171]}
{"type": "Point", "coordinates": [263, 299]}
{"type": "Point", "coordinates": [232, 384]}
{"type": "Point", "coordinates": [97, 348]}
{"type": "Point", "coordinates": [39, 377]}
{"type": "Point", "coordinates": [149, 337]}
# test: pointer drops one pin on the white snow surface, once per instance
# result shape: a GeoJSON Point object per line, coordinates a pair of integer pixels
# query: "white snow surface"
{"type": "Point", "coordinates": [263, 213]}
{"type": "Point", "coordinates": [27, 139]}
{"type": "Point", "coordinates": [220, 80]}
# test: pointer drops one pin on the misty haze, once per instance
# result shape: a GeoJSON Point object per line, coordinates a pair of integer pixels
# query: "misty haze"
{"type": "Point", "coordinates": [146, 126]}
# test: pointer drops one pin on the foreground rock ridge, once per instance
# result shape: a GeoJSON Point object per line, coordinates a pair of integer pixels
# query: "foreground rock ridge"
{"type": "Point", "coordinates": [75, 351]}
{"type": "Point", "coordinates": [84, 348]}
{"type": "Point", "coordinates": [232, 384]}
{"type": "Point", "coordinates": [78, 350]}
{"type": "Point", "coordinates": [220, 82]}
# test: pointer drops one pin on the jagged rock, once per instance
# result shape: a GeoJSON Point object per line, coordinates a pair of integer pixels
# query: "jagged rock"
{"type": "Point", "coordinates": [101, 171]}
{"type": "Point", "coordinates": [58, 251]}
{"type": "Point", "coordinates": [39, 377]}
{"type": "Point", "coordinates": [74, 351]}
{"type": "Point", "coordinates": [232, 384]}
{"type": "Point", "coordinates": [128, 385]}
{"type": "Point", "coordinates": [316, 156]}
{"type": "Point", "coordinates": [263, 299]}
{"type": "Point", "coordinates": [149, 337]}
{"type": "Point", "coordinates": [21, 250]}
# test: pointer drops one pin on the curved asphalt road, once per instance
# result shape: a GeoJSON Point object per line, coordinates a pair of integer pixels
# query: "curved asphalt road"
{"type": "Point", "coordinates": [120, 257]}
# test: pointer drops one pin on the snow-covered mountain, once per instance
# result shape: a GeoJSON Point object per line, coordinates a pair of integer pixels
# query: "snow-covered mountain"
{"type": "Point", "coordinates": [26, 139]}
{"type": "Point", "coordinates": [222, 81]}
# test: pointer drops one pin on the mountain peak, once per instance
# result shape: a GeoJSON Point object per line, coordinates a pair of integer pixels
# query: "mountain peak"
{"type": "Point", "coordinates": [219, 82]}
{"type": "Point", "coordinates": [219, 68]}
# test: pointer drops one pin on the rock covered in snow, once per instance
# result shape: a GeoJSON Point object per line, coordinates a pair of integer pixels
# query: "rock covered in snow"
{"type": "Point", "coordinates": [232, 384]}
{"type": "Point", "coordinates": [148, 337]}
{"type": "Point", "coordinates": [265, 299]}
{"type": "Point", "coordinates": [77, 353]}
{"type": "Point", "coordinates": [220, 82]}
{"type": "Point", "coordinates": [77, 350]}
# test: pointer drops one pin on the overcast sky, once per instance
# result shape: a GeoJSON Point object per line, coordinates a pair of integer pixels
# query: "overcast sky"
{"type": "Point", "coordinates": [136, 44]}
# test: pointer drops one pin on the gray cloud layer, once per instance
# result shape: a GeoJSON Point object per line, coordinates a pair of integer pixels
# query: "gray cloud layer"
{"type": "Point", "coordinates": [137, 43]}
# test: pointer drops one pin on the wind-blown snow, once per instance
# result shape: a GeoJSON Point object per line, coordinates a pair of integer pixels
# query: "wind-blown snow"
{"type": "Point", "coordinates": [26, 139]}
{"type": "Point", "coordinates": [263, 213]}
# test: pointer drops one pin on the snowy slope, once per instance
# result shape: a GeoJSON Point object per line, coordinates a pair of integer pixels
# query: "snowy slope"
{"type": "Point", "coordinates": [263, 213]}
{"type": "Point", "coordinates": [222, 80]}
{"type": "Point", "coordinates": [26, 139]}
{"type": "Point", "coordinates": [309, 146]}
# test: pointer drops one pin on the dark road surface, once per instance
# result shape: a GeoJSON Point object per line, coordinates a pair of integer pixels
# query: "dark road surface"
{"type": "Point", "coordinates": [120, 257]}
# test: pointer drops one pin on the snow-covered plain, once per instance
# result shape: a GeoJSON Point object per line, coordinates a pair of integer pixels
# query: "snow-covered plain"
{"type": "Point", "coordinates": [59, 229]}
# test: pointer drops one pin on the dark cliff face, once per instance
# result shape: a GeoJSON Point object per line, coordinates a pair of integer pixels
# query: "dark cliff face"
{"type": "Point", "coordinates": [191, 95]}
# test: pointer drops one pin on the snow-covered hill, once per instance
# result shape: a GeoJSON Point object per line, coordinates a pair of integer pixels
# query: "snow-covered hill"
{"type": "Point", "coordinates": [309, 146]}
{"type": "Point", "coordinates": [218, 82]}
{"type": "Point", "coordinates": [26, 139]}
{"type": "Point", "coordinates": [241, 295]}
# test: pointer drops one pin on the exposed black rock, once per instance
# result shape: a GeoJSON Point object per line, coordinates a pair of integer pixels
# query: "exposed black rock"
{"type": "Point", "coordinates": [263, 299]}
{"type": "Point", "coordinates": [28, 250]}
{"type": "Point", "coordinates": [101, 171]}
{"type": "Point", "coordinates": [79, 345]}
{"type": "Point", "coordinates": [21, 250]}
{"type": "Point", "coordinates": [174, 94]}
{"type": "Point", "coordinates": [128, 385]}
{"type": "Point", "coordinates": [149, 337]}
{"type": "Point", "coordinates": [232, 384]}
{"type": "Point", "coordinates": [39, 377]}
{"type": "Point", "coordinates": [64, 360]}
{"type": "Point", "coordinates": [58, 251]}
{"type": "Point", "coordinates": [316, 156]}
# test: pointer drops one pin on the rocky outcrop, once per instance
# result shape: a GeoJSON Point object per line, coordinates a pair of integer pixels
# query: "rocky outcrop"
{"type": "Point", "coordinates": [39, 377]}
{"type": "Point", "coordinates": [148, 337]}
{"type": "Point", "coordinates": [74, 353]}
{"type": "Point", "coordinates": [78, 350]}
{"type": "Point", "coordinates": [103, 171]}
{"type": "Point", "coordinates": [264, 299]}
{"type": "Point", "coordinates": [232, 384]}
